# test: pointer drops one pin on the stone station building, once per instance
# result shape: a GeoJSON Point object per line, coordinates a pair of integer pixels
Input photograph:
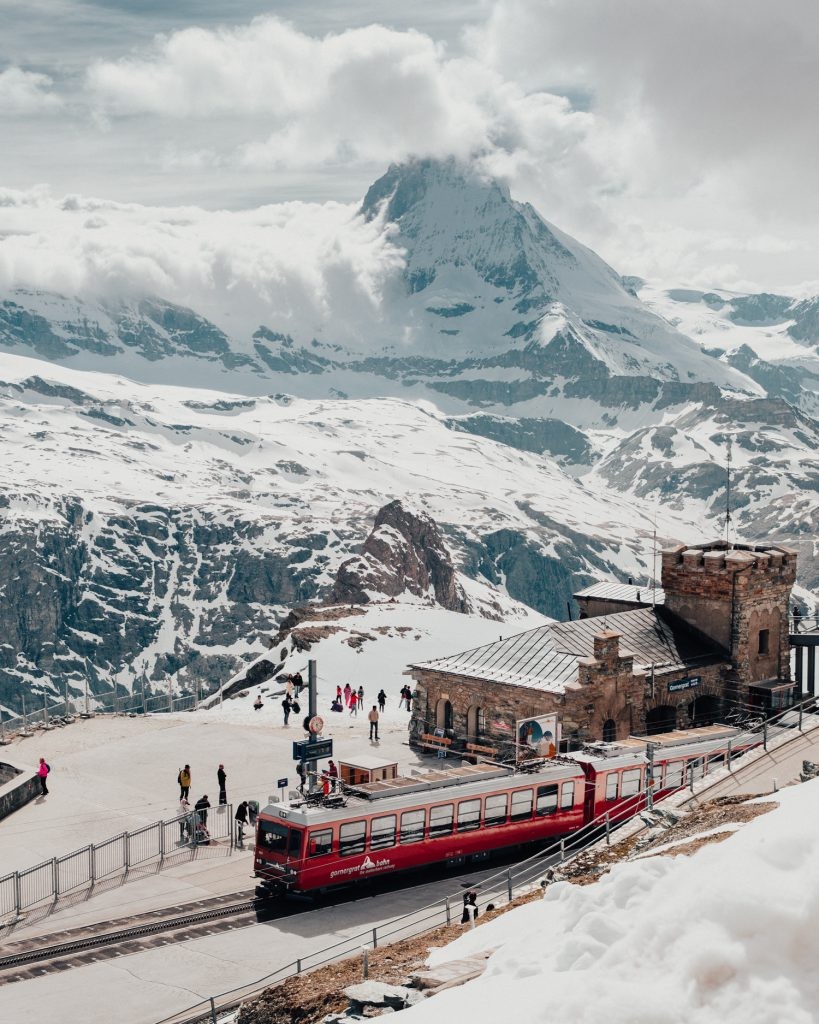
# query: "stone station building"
{"type": "Point", "coordinates": [715, 638]}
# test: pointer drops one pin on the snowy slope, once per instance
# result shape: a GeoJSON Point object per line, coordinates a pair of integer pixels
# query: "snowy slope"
{"type": "Point", "coordinates": [156, 531]}
{"type": "Point", "coordinates": [666, 940]}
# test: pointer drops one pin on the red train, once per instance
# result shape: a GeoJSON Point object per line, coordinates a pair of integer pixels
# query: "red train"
{"type": "Point", "coordinates": [463, 814]}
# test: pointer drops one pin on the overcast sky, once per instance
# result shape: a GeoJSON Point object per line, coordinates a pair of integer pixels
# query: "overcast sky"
{"type": "Point", "coordinates": [679, 139]}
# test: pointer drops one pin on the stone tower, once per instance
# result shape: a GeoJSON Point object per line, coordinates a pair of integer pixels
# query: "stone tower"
{"type": "Point", "coordinates": [738, 595]}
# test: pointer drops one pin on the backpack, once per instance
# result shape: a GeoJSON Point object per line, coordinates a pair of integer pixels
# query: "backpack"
{"type": "Point", "coordinates": [48, 767]}
{"type": "Point", "coordinates": [296, 707]}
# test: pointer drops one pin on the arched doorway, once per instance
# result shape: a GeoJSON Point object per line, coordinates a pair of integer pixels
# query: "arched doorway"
{"type": "Point", "coordinates": [609, 730]}
{"type": "Point", "coordinates": [661, 719]}
{"type": "Point", "coordinates": [705, 710]}
{"type": "Point", "coordinates": [475, 722]}
{"type": "Point", "coordinates": [443, 714]}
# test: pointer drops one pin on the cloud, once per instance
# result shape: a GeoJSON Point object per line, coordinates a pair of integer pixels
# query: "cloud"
{"type": "Point", "coordinates": [297, 265]}
{"type": "Point", "coordinates": [23, 93]}
{"type": "Point", "coordinates": [363, 95]}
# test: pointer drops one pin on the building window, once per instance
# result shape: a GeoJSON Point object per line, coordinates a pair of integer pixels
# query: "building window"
{"type": "Point", "coordinates": [764, 640]}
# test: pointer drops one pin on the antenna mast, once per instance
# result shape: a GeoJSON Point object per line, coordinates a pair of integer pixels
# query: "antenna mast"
{"type": "Point", "coordinates": [728, 493]}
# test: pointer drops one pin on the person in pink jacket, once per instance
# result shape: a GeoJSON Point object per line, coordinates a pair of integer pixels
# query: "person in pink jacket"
{"type": "Point", "coordinates": [42, 772]}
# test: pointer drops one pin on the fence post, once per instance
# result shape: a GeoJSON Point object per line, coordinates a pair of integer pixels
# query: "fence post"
{"type": "Point", "coordinates": [366, 965]}
{"type": "Point", "coordinates": [448, 912]}
{"type": "Point", "coordinates": [127, 850]}
{"type": "Point", "coordinates": [728, 757]}
{"type": "Point", "coordinates": [18, 895]}
{"type": "Point", "coordinates": [212, 1011]}
{"type": "Point", "coordinates": [608, 829]}
{"type": "Point", "coordinates": [765, 736]}
{"type": "Point", "coordinates": [298, 966]}
{"type": "Point", "coordinates": [375, 938]}
{"type": "Point", "coordinates": [800, 716]}
{"type": "Point", "coordinates": [562, 850]}
{"type": "Point", "coordinates": [230, 826]}
{"type": "Point", "coordinates": [55, 877]}
{"type": "Point", "coordinates": [93, 862]}
{"type": "Point", "coordinates": [509, 883]}
{"type": "Point", "coordinates": [161, 841]}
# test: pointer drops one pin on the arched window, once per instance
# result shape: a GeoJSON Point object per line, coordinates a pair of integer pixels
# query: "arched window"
{"type": "Point", "coordinates": [609, 730]}
{"type": "Point", "coordinates": [475, 722]}
{"type": "Point", "coordinates": [443, 714]}
{"type": "Point", "coordinates": [705, 710]}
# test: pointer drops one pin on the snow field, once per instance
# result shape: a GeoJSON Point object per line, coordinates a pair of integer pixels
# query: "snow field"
{"type": "Point", "coordinates": [725, 935]}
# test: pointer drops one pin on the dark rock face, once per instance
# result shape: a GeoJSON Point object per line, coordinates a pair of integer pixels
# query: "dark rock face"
{"type": "Point", "coordinates": [134, 597]}
{"type": "Point", "coordinates": [404, 553]}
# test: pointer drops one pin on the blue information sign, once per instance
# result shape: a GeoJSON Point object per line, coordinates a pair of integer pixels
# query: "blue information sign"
{"type": "Point", "coordinates": [689, 683]}
{"type": "Point", "coordinates": [282, 784]}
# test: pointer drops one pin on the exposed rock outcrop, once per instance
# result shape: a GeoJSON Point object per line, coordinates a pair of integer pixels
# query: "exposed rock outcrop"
{"type": "Point", "coordinates": [404, 553]}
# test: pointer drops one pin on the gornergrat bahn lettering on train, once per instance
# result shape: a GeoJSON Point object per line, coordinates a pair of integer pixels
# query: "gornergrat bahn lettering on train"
{"type": "Point", "coordinates": [463, 814]}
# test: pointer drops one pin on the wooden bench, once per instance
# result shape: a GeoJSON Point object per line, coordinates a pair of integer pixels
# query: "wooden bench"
{"type": "Point", "coordinates": [440, 744]}
{"type": "Point", "coordinates": [475, 751]}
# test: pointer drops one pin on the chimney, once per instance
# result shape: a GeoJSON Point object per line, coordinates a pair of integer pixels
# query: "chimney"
{"type": "Point", "coordinates": [607, 646]}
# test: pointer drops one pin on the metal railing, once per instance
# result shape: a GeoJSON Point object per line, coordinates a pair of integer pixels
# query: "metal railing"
{"type": "Point", "coordinates": [59, 713]}
{"type": "Point", "coordinates": [83, 868]}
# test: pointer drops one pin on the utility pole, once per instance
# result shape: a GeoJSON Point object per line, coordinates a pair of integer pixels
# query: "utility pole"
{"type": "Point", "coordinates": [312, 709]}
{"type": "Point", "coordinates": [728, 494]}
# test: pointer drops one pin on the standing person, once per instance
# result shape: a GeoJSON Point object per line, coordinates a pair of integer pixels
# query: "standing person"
{"type": "Point", "coordinates": [241, 820]}
{"type": "Point", "coordinates": [352, 702]}
{"type": "Point", "coordinates": [361, 696]}
{"type": "Point", "coordinates": [338, 694]}
{"type": "Point", "coordinates": [201, 807]}
{"type": "Point", "coordinates": [347, 691]}
{"type": "Point", "coordinates": [287, 707]}
{"type": "Point", "coordinates": [382, 699]}
{"type": "Point", "coordinates": [289, 687]}
{"type": "Point", "coordinates": [298, 682]}
{"type": "Point", "coordinates": [184, 780]}
{"type": "Point", "coordinates": [184, 813]}
{"type": "Point", "coordinates": [301, 771]}
{"type": "Point", "coordinates": [332, 774]}
{"type": "Point", "coordinates": [402, 697]}
{"type": "Point", "coordinates": [221, 778]}
{"type": "Point", "coordinates": [373, 717]}
{"type": "Point", "coordinates": [42, 773]}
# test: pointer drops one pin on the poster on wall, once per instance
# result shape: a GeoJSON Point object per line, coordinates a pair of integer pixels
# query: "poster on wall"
{"type": "Point", "coordinates": [540, 735]}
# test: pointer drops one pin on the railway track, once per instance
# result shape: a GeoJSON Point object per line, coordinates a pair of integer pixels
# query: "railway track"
{"type": "Point", "coordinates": [37, 956]}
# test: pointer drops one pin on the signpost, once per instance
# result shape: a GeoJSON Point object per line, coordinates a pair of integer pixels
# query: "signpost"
{"type": "Point", "coordinates": [282, 785]}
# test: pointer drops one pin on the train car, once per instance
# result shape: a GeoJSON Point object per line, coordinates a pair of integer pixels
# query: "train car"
{"type": "Point", "coordinates": [457, 815]}
{"type": "Point", "coordinates": [462, 815]}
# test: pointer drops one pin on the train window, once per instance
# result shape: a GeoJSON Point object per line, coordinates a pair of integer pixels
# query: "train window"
{"type": "Point", "coordinates": [546, 799]}
{"type": "Point", "coordinates": [521, 804]}
{"type": "Point", "coordinates": [631, 782]}
{"type": "Point", "coordinates": [294, 846]}
{"type": "Point", "coordinates": [382, 832]}
{"type": "Point", "coordinates": [440, 820]}
{"type": "Point", "coordinates": [656, 775]}
{"type": "Point", "coordinates": [495, 809]}
{"type": "Point", "coordinates": [674, 775]}
{"type": "Point", "coordinates": [469, 815]}
{"type": "Point", "coordinates": [320, 842]}
{"type": "Point", "coordinates": [567, 795]}
{"type": "Point", "coordinates": [351, 837]}
{"type": "Point", "coordinates": [273, 836]}
{"type": "Point", "coordinates": [696, 768]}
{"type": "Point", "coordinates": [611, 785]}
{"type": "Point", "coordinates": [412, 826]}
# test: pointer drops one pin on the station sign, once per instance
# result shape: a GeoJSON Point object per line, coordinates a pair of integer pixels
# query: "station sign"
{"type": "Point", "coordinates": [689, 683]}
{"type": "Point", "coordinates": [312, 750]}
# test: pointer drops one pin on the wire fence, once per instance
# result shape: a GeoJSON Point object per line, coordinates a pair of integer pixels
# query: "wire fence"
{"type": "Point", "coordinates": [83, 868]}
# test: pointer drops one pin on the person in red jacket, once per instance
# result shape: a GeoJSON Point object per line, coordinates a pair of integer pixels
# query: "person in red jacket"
{"type": "Point", "coordinates": [42, 772]}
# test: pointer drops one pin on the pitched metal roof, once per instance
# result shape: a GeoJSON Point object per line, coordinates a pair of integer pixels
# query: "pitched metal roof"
{"type": "Point", "coordinates": [632, 593]}
{"type": "Point", "coordinates": [546, 658]}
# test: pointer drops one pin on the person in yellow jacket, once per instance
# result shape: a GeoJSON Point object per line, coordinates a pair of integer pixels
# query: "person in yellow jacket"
{"type": "Point", "coordinates": [184, 780]}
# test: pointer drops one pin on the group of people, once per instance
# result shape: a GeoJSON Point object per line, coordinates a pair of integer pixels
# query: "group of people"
{"type": "Point", "coordinates": [293, 685]}
{"type": "Point", "coordinates": [193, 823]}
{"type": "Point", "coordinates": [349, 698]}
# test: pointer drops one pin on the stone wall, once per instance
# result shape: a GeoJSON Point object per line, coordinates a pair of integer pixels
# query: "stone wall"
{"type": "Point", "coordinates": [18, 785]}
{"type": "Point", "coordinates": [733, 595]}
